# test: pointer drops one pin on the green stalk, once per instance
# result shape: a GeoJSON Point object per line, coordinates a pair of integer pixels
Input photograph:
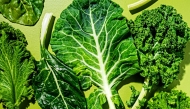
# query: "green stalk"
{"type": "Point", "coordinates": [45, 25]}
{"type": "Point", "coordinates": [138, 4]}
{"type": "Point", "coordinates": [142, 94]}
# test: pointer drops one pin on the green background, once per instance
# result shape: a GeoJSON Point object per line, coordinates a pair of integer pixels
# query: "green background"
{"type": "Point", "coordinates": [32, 34]}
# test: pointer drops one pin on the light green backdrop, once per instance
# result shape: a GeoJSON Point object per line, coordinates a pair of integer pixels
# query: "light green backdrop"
{"type": "Point", "coordinates": [32, 34]}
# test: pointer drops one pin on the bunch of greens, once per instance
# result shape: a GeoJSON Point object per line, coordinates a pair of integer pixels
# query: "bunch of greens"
{"type": "Point", "coordinates": [95, 45]}
{"type": "Point", "coordinates": [25, 12]}
{"type": "Point", "coordinates": [16, 67]}
{"type": "Point", "coordinates": [160, 35]}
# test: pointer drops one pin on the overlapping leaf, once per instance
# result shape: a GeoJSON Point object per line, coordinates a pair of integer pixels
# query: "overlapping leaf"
{"type": "Point", "coordinates": [56, 86]}
{"type": "Point", "coordinates": [90, 36]}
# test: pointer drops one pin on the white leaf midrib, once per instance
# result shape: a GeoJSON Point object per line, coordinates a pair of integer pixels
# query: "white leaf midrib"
{"type": "Point", "coordinates": [57, 85]}
{"type": "Point", "coordinates": [106, 88]}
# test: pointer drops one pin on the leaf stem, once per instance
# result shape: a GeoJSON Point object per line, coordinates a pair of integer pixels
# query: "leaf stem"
{"type": "Point", "coordinates": [142, 94]}
{"type": "Point", "coordinates": [137, 4]}
{"type": "Point", "coordinates": [44, 29]}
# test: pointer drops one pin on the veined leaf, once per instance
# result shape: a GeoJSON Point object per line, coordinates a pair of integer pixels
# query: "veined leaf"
{"type": "Point", "coordinates": [25, 12]}
{"type": "Point", "coordinates": [90, 37]}
{"type": "Point", "coordinates": [16, 66]}
{"type": "Point", "coordinates": [56, 85]}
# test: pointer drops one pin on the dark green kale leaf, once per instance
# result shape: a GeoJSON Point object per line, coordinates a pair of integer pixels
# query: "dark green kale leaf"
{"type": "Point", "coordinates": [160, 35]}
{"type": "Point", "coordinates": [16, 67]}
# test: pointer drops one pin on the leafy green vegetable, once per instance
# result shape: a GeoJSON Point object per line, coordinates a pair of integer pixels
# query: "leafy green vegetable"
{"type": "Point", "coordinates": [16, 67]}
{"type": "Point", "coordinates": [25, 12]}
{"type": "Point", "coordinates": [90, 37]}
{"type": "Point", "coordinates": [160, 35]}
{"type": "Point", "coordinates": [56, 85]}
{"type": "Point", "coordinates": [169, 100]}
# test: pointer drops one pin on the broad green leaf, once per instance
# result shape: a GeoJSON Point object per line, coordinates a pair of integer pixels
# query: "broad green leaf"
{"type": "Point", "coordinates": [25, 12]}
{"type": "Point", "coordinates": [96, 99]}
{"type": "Point", "coordinates": [16, 67]}
{"type": "Point", "coordinates": [56, 85]}
{"type": "Point", "coordinates": [91, 37]}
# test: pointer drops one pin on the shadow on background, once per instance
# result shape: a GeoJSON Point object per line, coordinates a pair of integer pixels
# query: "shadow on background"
{"type": "Point", "coordinates": [184, 63]}
{"type": "Point", "coordinates": [26, 103]}
{"type": "Point", "coordinates": [175, 83]}
{"type": "Point", "coordinates": [143, 7]}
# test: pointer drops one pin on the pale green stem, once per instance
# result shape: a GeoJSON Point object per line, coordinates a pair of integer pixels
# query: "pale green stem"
{"type": "Point", "coordinates": [138, 4]}
{"type": "Point", "coordinates": [44, 29]}
{"type": "Point", "coordinates": [141, 95]}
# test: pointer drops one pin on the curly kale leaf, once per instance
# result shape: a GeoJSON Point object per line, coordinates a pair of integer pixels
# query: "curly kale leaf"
{"type": "Point", "coordinates": [169, 100]}
{"type": "Point", "coordinates": [16, 67]}
{"type": "Point", "coordinates": [25, 12]}
{"type": "Point", "coordinates": [160, 35]}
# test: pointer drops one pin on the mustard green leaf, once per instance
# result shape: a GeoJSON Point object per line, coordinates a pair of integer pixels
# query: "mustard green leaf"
{"type": "Point", "coordinates": [16, 67]}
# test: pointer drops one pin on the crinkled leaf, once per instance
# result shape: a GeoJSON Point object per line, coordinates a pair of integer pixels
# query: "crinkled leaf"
{"type": "Point", "coordinates": [169, 100]}
{"type": "Point", "coordinates": [90, 36]}
{"type": "Point", "coordinates": [26, 12]}
{"type": "Point", "coordinates": [160, 36]}
{"type": "Point", "coordinates": [16, 66]}
{"type": "Point", "coordinates": [56, 86]}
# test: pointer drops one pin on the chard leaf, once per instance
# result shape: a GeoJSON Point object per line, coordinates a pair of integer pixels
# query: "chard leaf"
{"type": "Point", "coordinates": [56, 85]}
{"type": "Point", "coordinates": [16, 66]}
{"type": "Point", "coordinates": [25, 12]}
{"type": "Point", "coordinates": [90, 37]}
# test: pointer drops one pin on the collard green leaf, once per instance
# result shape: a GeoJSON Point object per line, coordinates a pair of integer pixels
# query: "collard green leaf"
{"type": "Point", "coordinates": [25, 12]}
{"type": "Point", "coordinates": [90, 37]}
{"type": "Point", "coordinates": [16, 67]}
{"type": "Point", "coordinates": [56, 86]}
{"type": "Point", "coordinates": [96, 99]}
